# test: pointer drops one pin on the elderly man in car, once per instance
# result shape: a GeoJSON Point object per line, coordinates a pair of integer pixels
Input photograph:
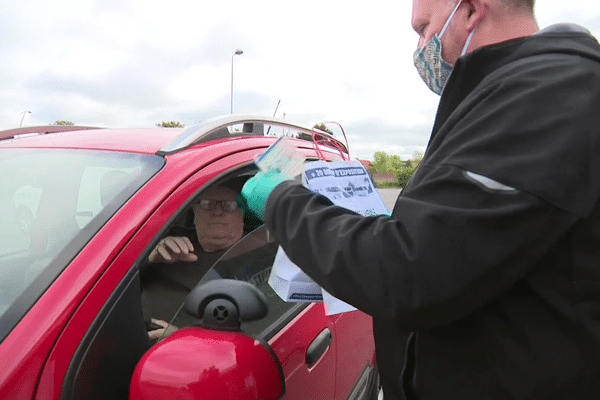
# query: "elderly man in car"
{"type": "Point", "coordinates": [178, 263]}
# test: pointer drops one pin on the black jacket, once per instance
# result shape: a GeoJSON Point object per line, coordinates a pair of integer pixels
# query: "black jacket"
{"type": "Point", "coordinates": [492, 254]}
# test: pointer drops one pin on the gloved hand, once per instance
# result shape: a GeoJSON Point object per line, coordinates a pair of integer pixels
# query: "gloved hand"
{"type": "Point", "coordinates": [257, 189]}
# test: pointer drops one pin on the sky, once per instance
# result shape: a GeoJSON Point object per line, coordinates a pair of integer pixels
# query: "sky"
{"type": "Point", "coordinates": [136, 63]}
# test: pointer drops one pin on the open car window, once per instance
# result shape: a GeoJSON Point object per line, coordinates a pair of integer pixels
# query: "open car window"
{"type": "Point", "coordinates": [250, 260]}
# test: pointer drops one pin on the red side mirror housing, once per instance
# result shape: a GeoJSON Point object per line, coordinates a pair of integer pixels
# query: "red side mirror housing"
{"type": "Point", "coordinates": [195, 363]}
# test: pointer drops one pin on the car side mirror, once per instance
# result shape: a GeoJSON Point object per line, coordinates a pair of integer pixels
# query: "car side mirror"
{"type": "Point", "coordinates": [223, 304]}
{"type": "Point", "coordinates": [196, 363]}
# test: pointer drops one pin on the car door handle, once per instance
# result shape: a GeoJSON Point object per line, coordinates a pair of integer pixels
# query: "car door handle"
{"type": "Point", "coordinates": [318, 347]}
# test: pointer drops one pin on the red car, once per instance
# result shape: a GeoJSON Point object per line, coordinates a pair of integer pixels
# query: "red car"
{"type": "Point", "coordinates": [71, 320]}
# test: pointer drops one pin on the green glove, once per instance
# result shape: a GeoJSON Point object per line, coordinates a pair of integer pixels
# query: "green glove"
{"type": "Point", "coordinates": [257, 190]}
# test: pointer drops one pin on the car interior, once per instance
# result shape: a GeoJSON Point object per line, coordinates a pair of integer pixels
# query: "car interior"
{"type": "Point", "coordinates": [97, 372]}
{"type": "Point", "coordinates": [250, 260]}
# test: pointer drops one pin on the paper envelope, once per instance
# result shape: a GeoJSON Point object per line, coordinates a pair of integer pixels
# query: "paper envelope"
{"type": "Point", "coordinates": [290, 283]}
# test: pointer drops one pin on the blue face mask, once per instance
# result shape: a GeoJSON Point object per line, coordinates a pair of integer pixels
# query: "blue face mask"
{"type": "Point", "coordinates": [429, 62]}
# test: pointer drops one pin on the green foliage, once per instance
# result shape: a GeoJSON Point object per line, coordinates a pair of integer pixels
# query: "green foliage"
{"type": "Point", "coordinates": [387, 185]}
{"type": "Point", "coordinates": [62, 122]}
{"type": "Point", "coordinates": [403, 170]}
{"type": "Point", "coordinates": [410, 167]}
{"type": "Point", "coordinates": [171, 124]}
{"type": "Point", "coordinates": [396, 164]}
{"type": "Point", "coordinates": [405, 175]}
{"type": "Point", "coordinates": [304, 136]}
{"type": "Point", "coordinates": [380, 165]}
{"type": "Point", "coordinates": [385, 163]}
{"type": "Point", "coordinates": [323, 128]}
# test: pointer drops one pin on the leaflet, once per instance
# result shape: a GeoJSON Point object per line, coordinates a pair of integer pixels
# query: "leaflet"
{"type": "Point", "coordinates": [346, 184]}
{"type": "Point", "coordinates": [282, 157]}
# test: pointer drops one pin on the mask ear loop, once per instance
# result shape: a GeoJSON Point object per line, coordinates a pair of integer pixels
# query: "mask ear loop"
{"type": "Point", "coordinates": [447, 24]}
{"type": "Point", "coordinates": [468, 42]}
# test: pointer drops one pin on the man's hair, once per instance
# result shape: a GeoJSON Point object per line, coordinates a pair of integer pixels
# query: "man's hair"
{"type": "Point", "coordinates": [520, 5]}
{"type": "Point", "coordinates": [236, 183]}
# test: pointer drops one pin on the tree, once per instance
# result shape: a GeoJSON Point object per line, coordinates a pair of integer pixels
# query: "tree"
{"type": "Point", "coordinates": [171, 124]}
{"type": "Point", "coordinates": [381, 163]}
{"type": "Point", "coordinates": [62, 122]}
{"type": "Point", "coordinates": [395, 164]}
{"type": "Point", "coordinates": [409, 168]}
{"type": "Point", "coordinates": [323, 128]}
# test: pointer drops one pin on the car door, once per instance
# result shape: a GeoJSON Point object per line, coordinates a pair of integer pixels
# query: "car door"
{"type": "Point", "coordinates": [355, 347]}
{"type": "Point", "coordinates": [356, 374]}
{"type": "Point", "coordinates": [322, 356]}
{"type": "Point", "coordinates": [300, 334]}
{"type": "Point", "coordinates": [97, 351]}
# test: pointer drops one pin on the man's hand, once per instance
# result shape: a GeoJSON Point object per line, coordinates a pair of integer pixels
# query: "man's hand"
{"type": "Point", "coordinates": [173, 249]}
{"type": "Point", "coordinates": [162, 333]}
{"type": "Point", "coordinates": [257, 189]}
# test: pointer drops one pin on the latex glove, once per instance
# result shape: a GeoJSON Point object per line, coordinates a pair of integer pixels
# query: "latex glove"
{"type": "Point", "coordinates": [241, 202]}
{"type": "Point", "coordinates": [257, 190]}
{"type": "Point", "coordinates": [173, 249]}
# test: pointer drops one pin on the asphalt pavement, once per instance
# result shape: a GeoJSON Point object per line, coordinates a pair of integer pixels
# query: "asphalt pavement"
{"type": "Point", "coordinates": [389, 197]}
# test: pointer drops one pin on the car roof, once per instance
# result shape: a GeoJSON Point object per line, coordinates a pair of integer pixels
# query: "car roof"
{"type": "Point", "coordinates": [156, 140]}
{"type": "Point", "coordinates": [141, 140]}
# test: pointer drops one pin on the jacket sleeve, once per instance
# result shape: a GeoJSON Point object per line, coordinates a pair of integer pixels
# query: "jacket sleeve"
{"type": "Point", "coordinates": [451, 245]}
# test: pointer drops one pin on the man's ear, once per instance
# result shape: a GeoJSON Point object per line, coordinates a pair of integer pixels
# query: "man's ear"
{"type": "Point", "coordinates": [476, 12]}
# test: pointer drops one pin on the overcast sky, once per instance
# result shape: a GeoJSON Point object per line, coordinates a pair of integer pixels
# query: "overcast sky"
{"type": "Point", "coordinates": [134, 63]}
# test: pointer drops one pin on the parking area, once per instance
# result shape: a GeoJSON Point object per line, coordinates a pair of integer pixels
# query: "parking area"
{"type": "Point", "coordinates": [389, 197]}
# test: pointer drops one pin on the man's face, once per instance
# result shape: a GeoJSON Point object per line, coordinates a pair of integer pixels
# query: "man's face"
{"type": "Point", "coordinates": [429, 17]}
{"type": "Point", "coordinates": [217, 229]}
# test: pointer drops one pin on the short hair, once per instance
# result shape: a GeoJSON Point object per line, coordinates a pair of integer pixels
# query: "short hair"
{"type": "Point", "coordinates": [520, 5]}
{"type": "Point", "coordinates": [236, 183]}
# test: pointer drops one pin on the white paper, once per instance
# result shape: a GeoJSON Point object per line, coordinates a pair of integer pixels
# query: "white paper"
{"type": "Point", "coordinates": [282, 157]}
{"type": "Point", "coordinates": [347, 184]}
{"type": "Point", "coordinates": [290, 283]}
{"type": "Point", "coordinates": [333, 305]}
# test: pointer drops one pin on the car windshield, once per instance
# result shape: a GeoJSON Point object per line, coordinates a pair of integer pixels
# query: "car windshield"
{"type": "Point", "coordinates": [52, 203]}
{"type": "Point", "coordinates": [250, 260]}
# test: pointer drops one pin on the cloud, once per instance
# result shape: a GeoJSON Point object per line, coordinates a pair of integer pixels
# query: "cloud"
{"type": "Point", "coordinates": [134, 63]}
{"type": "Point", "coordinates": [371, 135]}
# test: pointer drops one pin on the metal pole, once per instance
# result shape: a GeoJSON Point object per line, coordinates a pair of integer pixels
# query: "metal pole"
{"type": "Point", "coordinates": [237, 52]}
{"type": "Point", "coordinates": [24, 112]}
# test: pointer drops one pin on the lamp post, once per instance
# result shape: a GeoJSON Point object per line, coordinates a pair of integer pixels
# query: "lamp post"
{"type": "Point", "coordinates": [237, 52]}
{"type": "Point", "coordinates": [24, 112]}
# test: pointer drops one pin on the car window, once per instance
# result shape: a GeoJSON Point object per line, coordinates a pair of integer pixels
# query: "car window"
{"type": "Point", "coordinates": [251, 260]}
{"type": "Point", "coordinates": [51, 205]}
{"type": "Point", "coordinates": [190, 244]}
{"type": "Point", "coordinates": [98, 187]}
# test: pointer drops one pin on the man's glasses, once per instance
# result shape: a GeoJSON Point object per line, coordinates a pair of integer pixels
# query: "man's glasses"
{"type": "Point", "coordinates": [227, 206]}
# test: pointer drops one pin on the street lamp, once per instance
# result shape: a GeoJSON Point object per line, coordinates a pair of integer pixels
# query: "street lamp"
{"type": "Point", "coordinates": [24, 112]}
{"type": "Point", "coordinates": [237, 52]}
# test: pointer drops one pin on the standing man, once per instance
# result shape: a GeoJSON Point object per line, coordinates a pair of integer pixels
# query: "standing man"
{"type": "Point", "coordinates": [488, 271]}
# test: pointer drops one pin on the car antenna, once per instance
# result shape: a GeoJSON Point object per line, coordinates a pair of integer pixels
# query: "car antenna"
{"type": "Point", "coordinates": [273, 116]}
